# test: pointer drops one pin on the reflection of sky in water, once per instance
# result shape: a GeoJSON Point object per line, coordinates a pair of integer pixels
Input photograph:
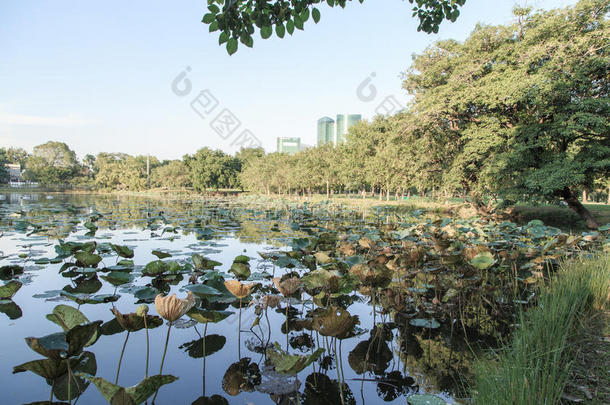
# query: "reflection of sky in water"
{"type": "Point", "coordinates": [27, 387]}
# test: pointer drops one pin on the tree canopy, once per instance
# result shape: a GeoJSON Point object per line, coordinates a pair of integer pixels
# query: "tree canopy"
{"type": "Point", "coordinates": [238, 20]}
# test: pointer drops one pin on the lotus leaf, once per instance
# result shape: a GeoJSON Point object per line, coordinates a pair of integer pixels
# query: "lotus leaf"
{"type": "Point", "coordinates": [291, 364]}
{"type": "Point", "coordinates": [160, 254]}
{"type": "Point", "coordinates": [335, 322]}
{"type": "Point", "coordinates": [133, 322]}
{"type": "Point", "coordinates": [205, 316]}
{"type": "Point", "coordinates": [86, 259]}
{"type": "Point", "coordinates": [241, 270]}
{"type": "Point", "coordinates": [425, 399]}
{"type": "Point", "coordinates": [137, 394]}
{"type": "Point", "coordinates": [213, 343]}
{"type": "Point", "coordinates": [483, 260]}
{"type": "Point", "coordinates": [10, 289]}
{"type": "Point", "coordinates": [241, 376]}
{"type": "Point", "coordinates": [122, 251]}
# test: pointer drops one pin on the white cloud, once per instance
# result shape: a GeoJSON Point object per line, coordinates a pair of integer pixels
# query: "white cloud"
{"type": "Point", "coordinates": [33, 120]}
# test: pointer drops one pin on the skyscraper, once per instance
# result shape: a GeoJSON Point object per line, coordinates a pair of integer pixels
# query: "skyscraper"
{"type": "Point", "coordinates": [288, 145]}
{"type": "Point", "coordinates": [344, 122]}
{"type": "Point", "coordinates": [326, 131]}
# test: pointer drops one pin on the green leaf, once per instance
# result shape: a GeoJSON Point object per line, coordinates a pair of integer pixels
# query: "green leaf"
{"type": "Point", "coordinates": [280, 30]}
{"type": "Point", "coordinates": [202, 290]}
{"type": "Point", "coordinates": [241, 270]}
{"type": "Point", "coordinates": [160, 254]}
{"type": "Point", "coordinates": [67, 317]}
{"type": "Point", "coordinates": [137, 394]}
{"type": "Point", "coordinates": [290, 27]}
{"type": "Point", "coordinates": [425, 399]}
{"type": "Point", "coordinates": [232, 46]}
{"type": "Point", "coordinates": [122, 251]}
{"type": "Point", "coordinates": [9, 289]}
{"type": "Point", "coordinates": [155, 268]}
{"type": "Point", "coordinates": [290, 364]}
{"type": "Point", "coordinates": [85, 259]}
{"type": "Point", "coordinates": [208, 18]}
{"type": "Point", "coordinates": [223, 37]}
{"type": "Point", "coordinates": [266, 31]}
{"type": "Point", "coordinates": [315, 14]}
{"type": "Point", "coordinates": [205, 316]}
{"type": "Point", "coordinates": [483, 260]}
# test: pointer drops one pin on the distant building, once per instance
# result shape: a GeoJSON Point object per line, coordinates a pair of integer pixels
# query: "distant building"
{"type": "Point", "coordinates": [344, 123]}
{"type": "Point", "coordinates": [14, 172]}
{"type": "Point", "coordinates": [326, 131]}
{"type": "Point", "coordinates": [288, 145]}
{"type": "Point", "coordinates": [331, 131]}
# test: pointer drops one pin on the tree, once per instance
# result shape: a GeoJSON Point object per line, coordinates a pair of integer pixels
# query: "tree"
{"type": "Point", "coordinates": [171, 174]}
{"type": "Point", "coordinates": [51, 163]}
{"type": "Point", "coordinates": [3, 161]}
{"type": "Point", "coordinates": [17, 156]}
{"type": "Point", "coordinates": [522, 110]}
{"type": "Point", "coordinates": [212, 168]}
{"type": "Point", "coordinates": [237, 20]}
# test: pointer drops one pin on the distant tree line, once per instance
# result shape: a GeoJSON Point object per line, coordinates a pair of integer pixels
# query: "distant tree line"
{"type": "Point", "coordinates": [55, 164]}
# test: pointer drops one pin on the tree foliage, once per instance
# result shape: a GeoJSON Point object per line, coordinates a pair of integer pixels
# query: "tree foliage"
{"type": "Point", "coordinates": [51, 163]}
{"type": "Point", "coordinates": [238, 20]}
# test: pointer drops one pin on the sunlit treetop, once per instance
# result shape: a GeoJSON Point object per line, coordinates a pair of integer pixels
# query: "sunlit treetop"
{"type": "Point", "coordinates": [238, 20]}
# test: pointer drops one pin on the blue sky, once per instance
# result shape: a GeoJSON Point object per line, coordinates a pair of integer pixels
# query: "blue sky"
{"type": "Point", "coordinates": [98, 74]}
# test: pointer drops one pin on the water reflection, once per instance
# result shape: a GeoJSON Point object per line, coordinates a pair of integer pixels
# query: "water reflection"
{"type": "Point", "coordinates": [290, 303]}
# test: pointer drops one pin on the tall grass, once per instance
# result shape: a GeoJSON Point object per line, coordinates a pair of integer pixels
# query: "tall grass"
{"type": "Point", "coordinates": [534, 368]}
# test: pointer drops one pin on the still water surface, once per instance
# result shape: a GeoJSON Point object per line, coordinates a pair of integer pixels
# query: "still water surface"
{"type": "Point", "coordinates": [406, 361]}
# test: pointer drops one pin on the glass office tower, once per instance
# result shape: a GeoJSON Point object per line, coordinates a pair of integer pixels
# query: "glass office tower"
{"type": "Point", "coordinates": [326, 131]}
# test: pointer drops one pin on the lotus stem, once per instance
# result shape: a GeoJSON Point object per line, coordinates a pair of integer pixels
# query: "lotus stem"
{"type": "Point", "coordinates": [69, 385]}
{"type": "Point", "coordinates": [147, 346]}
{"type": "Point", "coordinates": [269, 326]}
{"type": "Point", "coordinates": [338, 376]}
{"type": "Point", "coordinates": [205, 331]}
{"type": "Point", "coordinates": [287, 329]}
{"type": "Point", "coordinates": [118, 370]}
{"type": "Point", "coordinates": [169, 328]}
{"type": "Point", "coordinates": [52, 389]}
{"type": "Point", "coordinates": [239, 332]}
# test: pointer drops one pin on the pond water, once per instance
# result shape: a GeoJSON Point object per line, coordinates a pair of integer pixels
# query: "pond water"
{"type": "Point", "coordinates": [443, 290]}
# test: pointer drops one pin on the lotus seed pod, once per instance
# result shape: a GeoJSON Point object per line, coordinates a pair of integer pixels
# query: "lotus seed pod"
{"type": "Point", "coordinates": [142, 310]}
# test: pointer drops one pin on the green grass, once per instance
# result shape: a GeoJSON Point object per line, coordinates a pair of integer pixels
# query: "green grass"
{"type": "Point", "coordinates": [535, 367]}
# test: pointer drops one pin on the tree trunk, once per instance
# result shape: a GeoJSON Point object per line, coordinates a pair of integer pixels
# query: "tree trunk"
{"type": "Point", "coordinates": [608, 193]}
{"type": "Point", "coordinates": [584, 196]}
{"type": "Point", "coordinates": [327, 189]}
{"type": "Point", "coordinates": [569, 196]}
{"type": "Point", "coordinates": [364, 194]}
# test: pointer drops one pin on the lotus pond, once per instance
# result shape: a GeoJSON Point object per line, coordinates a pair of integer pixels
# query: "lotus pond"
{"type": "Point", "coordinates": [275, 302]}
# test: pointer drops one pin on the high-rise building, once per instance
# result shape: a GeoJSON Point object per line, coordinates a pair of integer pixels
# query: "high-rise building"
{"type": "Point", "coordinates": [288, 145]}
{"type": "Point", "coordinates": [326, 131]}
{"type": "Point", "coordinates": [344, 122]}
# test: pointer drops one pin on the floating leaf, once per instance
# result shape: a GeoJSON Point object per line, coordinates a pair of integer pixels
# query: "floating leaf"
{"type": "Point", "coordinates": [291, 364]}
{"type": "Point", "coordinates": [160, 254]}
{"type": "Point", "coordinates": [86, 259]}
{"type": "Point", "coordinates": [425, 399]}
{"type": "Point", "coordinates": [10, 289]}
{"type": "Point", "coordinates": [137, 394]}
{"type": "Point", "coordinates": [122, 251]}
{"type": "Point", "coordinates": [483, 260]}
{"type": "Point", "coordinates": [213, 343]}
